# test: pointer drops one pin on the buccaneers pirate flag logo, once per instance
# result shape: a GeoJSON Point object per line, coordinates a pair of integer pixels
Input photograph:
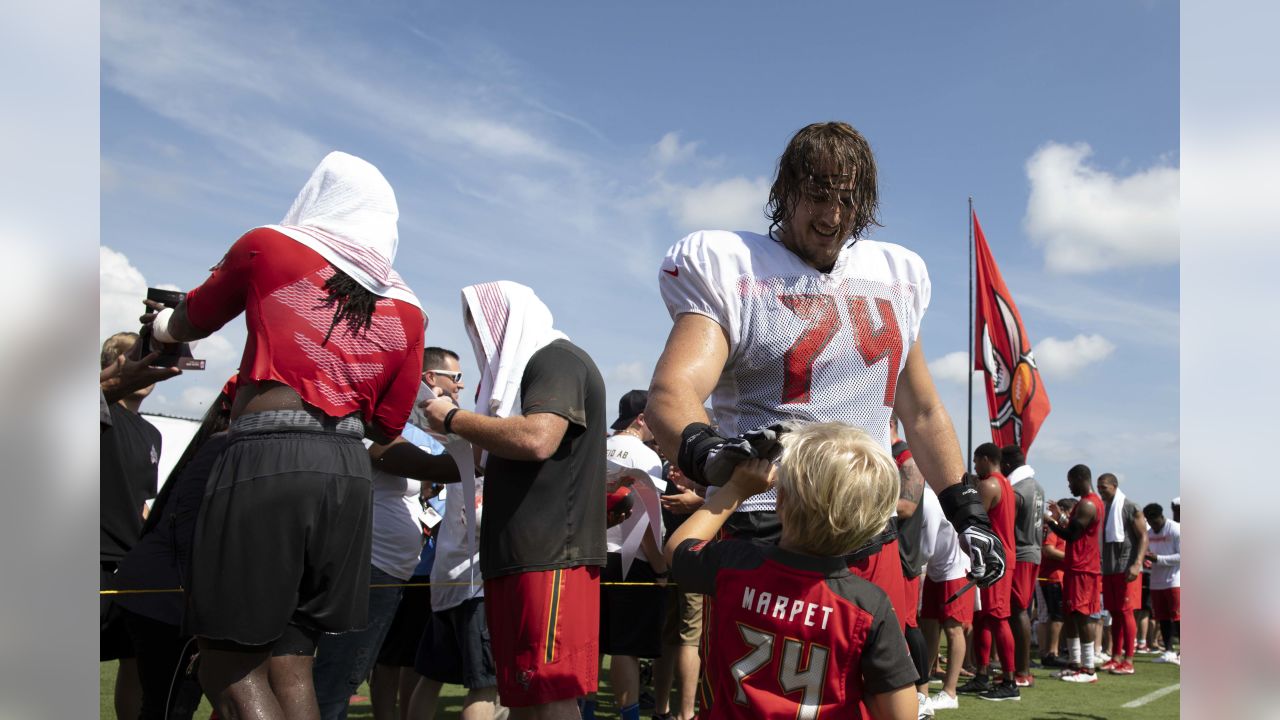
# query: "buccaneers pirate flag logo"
{"type": "Point", "coordinates": [1015, 394]}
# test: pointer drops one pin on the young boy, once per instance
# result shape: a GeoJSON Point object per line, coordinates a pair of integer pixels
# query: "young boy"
{"type": "Point", "coordinates": [792, 632]}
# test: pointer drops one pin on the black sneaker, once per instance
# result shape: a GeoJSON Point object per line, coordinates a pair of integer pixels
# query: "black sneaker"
{"type": "Point", "coordinates": [1003, 691]}
{"type": "Point", "coordinates": [1053, 661]}
{"type": "Point", "coordinates": [979, 684]}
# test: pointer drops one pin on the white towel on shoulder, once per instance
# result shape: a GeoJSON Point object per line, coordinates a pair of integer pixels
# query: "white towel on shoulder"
{"type": "Point", "coordinates": [509, 324]}
{"type": "Point", "coordinates": [347, 213]}
{"type": "Point", "coordinates": [1115, 518]}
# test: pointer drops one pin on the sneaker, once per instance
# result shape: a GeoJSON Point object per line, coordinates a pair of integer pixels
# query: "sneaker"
{"type": "Point", "coordinates": [1064, 672]}
{"type": "Point", "coordinates": [1001, 692]}
{"type": "Point", "coordinates": [925, 707]}
{"type": "Point", "coordinates": [942, 701]}
{"type": "Point", "coordinates": [1170, 657]}
{"type": "Point", "coordinates": [1082, 676]}
{"type": "Point", "coordinates": [979, 684]}
{"type": "Point", "coordinates": [1109, 664]}
{"type": "Point", "coordinates": [1053, 661]}
{"type": "Point", "coordinates": [1140, 647]}
{"type": "Point", "coordinates": [1024, 680]}
{"type": "Point", "coordinates": [1123, 668]}
{"type": "Point", "coordinates": [1100, 657]}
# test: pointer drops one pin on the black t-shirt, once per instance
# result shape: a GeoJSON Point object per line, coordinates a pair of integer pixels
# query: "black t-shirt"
{"type": "Point", "coordinates": [130, 451]}
{"type": "Point", "coordinates": [551, 514]}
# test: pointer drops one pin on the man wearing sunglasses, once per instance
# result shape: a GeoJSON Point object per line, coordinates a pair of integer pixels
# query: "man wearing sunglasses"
{"type": "Point", "coordinates": [440, 369]}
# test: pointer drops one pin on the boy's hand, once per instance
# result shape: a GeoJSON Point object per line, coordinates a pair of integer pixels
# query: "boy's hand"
{"type": "Point", "coordinates": [752, 477]}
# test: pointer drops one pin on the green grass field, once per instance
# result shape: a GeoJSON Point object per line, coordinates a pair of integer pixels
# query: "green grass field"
{"type": "Point", "coordinates": [1049, 700]}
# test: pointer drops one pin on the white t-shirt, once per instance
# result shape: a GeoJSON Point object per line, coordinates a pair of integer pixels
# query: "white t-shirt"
{"type": "Point", "coordinates": [397, 519]}
{"type": "Point", "coordinates": [1166, 545]}
{"type": "Point", "coordinates": [453, 563]}
{"type": "Point", "coordinates": [944, 560]}
{"type": "Point", "coordinates": [803, 345]}
{"type": "Point", "coordinates": [629, 451]}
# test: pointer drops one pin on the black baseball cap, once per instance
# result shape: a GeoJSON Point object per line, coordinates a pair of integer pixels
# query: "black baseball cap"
{"type": "Point", "coordinates": [630, 406]}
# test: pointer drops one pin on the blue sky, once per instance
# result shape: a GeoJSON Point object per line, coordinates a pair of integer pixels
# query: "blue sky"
{"type": "Point", "coordinates": [566, 147]}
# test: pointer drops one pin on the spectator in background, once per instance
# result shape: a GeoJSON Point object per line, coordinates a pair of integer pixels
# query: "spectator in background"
{"type": "Point", "coordinates": [1028, 531]}
{"type": "Point", "coordinates": [334, 352]}
{"type": "Point", "coordinates": [1124, 545]}
{"type": "Point", "coordinates": [393, 680]}
{"type": "Point", "coordinates": [631, 617]}
{"type": "Point", "coordinates": [946, 567]}
{"type": "Point", "coordinates": [1082, 577]}
{"type": "Point", "coordinates": [1050, 613]}
{"type": "Point", "coordinates": [1165, 555]}
{"type": "Point", "coordinates": [130, 451]}
{"type": "Point", "coordinates": [540, 418]}
{"type": "Point", "coordinates": [682, 627]}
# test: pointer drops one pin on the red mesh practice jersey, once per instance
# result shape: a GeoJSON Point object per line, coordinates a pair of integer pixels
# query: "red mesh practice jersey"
{"type": "Point", "coordinates": [790, 635]}
{"type": "Point", "coordinates": [1084, 554]}
{"type": "Point", "coordinates": [803, 344]}
{"type": "Point", "coordinates": [1050, 569]}
{"type": "Point", "coordinates": [278, 284]}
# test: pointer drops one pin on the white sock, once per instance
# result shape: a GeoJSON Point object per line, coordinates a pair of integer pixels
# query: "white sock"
{"type": "Point", "coordinates": [1086, 656]}
{"type": "Point", "coordinates": [1073, 650]}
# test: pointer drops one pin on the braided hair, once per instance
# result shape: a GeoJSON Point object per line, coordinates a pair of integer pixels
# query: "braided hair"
{"type": "Point", "coordinates": [351, 302]}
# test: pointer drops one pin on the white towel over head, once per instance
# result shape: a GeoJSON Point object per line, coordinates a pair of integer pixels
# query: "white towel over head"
{"type": "Point", "coordinates": [508, 324]}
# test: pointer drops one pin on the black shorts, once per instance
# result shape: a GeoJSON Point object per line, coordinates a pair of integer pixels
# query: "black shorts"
{"type": "Point", "coordinates": [412, 616]}
{"type": "Point", "coordinates": [1146, 592]}
{"type": "Point", "coordinates": [113, 639]}
{"type": "Point", "coordinates": [283, 538]}
{"type": "Point", "coordinates": [631, 617]}
{"type": "Point", "coordinates": [455, 647]}
{"type": "Point", "coordinates": [1052, 593]}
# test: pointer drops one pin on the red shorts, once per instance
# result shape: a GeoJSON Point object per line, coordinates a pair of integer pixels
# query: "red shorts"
{"type": "Point", "coordinates": [544, 628]}
{"type": "Point", "coordinates": [933, 607]}
{"type": "Point", "coordinates": [1120, 594]}
{"type": "Point", "coordinates": [1082, 593]}
{"type": "Point", "coordinates": [995, 599]}
{"type": "Point", "coordinates": [1166, 604]}
{"type": "Point", "coordinates": [911, 600]}
{"type": "Point", "coordinates": [1024, 584]}
{"type": "Point", "coordinates": [884, 570]}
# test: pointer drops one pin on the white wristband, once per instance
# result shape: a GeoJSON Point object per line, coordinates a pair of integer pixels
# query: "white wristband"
{"type": "Point", "coordinates": [160, 327]}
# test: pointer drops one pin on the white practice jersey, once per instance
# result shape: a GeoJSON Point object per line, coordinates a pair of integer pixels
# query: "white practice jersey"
{"type": "Point", "coordinates": [803, 345]}
{"type": "Point", "coordinates": [1166, 545]}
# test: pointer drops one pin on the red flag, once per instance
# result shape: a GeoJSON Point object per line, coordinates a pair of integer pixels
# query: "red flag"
{"type": "Point", "coordinates": [1016, 398]}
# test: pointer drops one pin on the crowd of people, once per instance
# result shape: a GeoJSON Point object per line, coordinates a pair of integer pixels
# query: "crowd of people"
{"type": "Point", "coordinates": [803, 544]}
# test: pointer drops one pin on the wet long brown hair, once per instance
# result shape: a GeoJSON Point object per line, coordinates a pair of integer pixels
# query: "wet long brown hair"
{"type": "Point", "coordinates": [814, 154]}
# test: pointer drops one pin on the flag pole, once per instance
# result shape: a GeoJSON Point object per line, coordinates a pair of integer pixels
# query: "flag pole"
{"type": "Point", "coordinates": [968, 458]}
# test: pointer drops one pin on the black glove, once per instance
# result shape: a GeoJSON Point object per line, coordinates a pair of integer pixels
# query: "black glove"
{"type": "Point", "coordinates": [963, 508]}
{"type": "Point", "coordinates": [708, 458]}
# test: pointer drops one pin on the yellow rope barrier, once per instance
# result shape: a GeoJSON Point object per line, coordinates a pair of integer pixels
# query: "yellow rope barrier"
{"type": "Point", "coordinates": [383, 585]}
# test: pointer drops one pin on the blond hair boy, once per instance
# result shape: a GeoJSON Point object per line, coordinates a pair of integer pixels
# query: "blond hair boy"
{"type": "Point", "coordinates": [793, 632]}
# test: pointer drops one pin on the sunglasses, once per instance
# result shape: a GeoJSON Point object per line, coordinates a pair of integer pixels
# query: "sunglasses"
{"type": "Point", "coordinates": [454, 376]}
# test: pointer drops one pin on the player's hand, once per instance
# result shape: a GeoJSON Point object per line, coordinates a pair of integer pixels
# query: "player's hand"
{"type": "Point", "coordinates": [126, 375]}
{"type": "Point", "coordinates": [709, 458]}
{"type": "Point", "coordinates": [1134, 572]}
{"type": "Point", "coordinates": [753, 477]}
{"type": "Point", "coordinates": [683, 503]}
{"type": "Point", "coordinates": [435, 409]}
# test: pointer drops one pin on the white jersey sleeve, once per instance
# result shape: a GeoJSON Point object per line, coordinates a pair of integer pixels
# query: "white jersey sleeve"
{"type": "Point", "coordinates": [701, 273]}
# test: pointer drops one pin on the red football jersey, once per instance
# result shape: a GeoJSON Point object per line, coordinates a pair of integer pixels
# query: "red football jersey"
{"type": "Point", "coordinates": [1084, 554]}
{"type": "Point", "coordinates": [790, 635]}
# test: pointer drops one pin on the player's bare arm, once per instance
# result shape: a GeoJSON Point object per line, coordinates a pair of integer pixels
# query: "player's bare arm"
{"type": "Point", "coordinates": [899, 704]}
{"type": "Point", "coordinates": [926, 424]}
{"type": "Point", "coordinates": [1052, 552]}
{"type": "Point", "coordinates": [1078, 525]}
{"type": "Point", "coordinates": [989, 491]}
{"type": "Point", "coordinates": [177, 325]}
{"type": "Point", "coordinates": [687, 372]}
{"type": "Point", "coordinates": [751, 477]}
{"type": "Point", "coordinates": [532, 438]}
{"type": "Point", "coordinates": [404, 459]}
{"type": "Point", "coordinates": [911, 491]}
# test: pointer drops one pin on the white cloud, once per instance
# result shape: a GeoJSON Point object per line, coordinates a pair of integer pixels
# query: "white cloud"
{"type": "Point", "coordinates": [1088, 219]}
{"type": "Point", "coordinates": [1064, 358]}
{"type": "Point", "coordinates": [733, 204]}
{"type": "Point", "coordinates": [633, 375]}
{"type": "Point", "coordinates": [951, 368]}
{"type": "Point", "coordinates": [122, 289]}
{"type": "Point", "coordinates": [670, 151]}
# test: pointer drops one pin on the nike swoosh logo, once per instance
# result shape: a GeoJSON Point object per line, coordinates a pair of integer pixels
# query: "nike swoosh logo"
{"type": "Point", "coordinates": [672, 273]}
